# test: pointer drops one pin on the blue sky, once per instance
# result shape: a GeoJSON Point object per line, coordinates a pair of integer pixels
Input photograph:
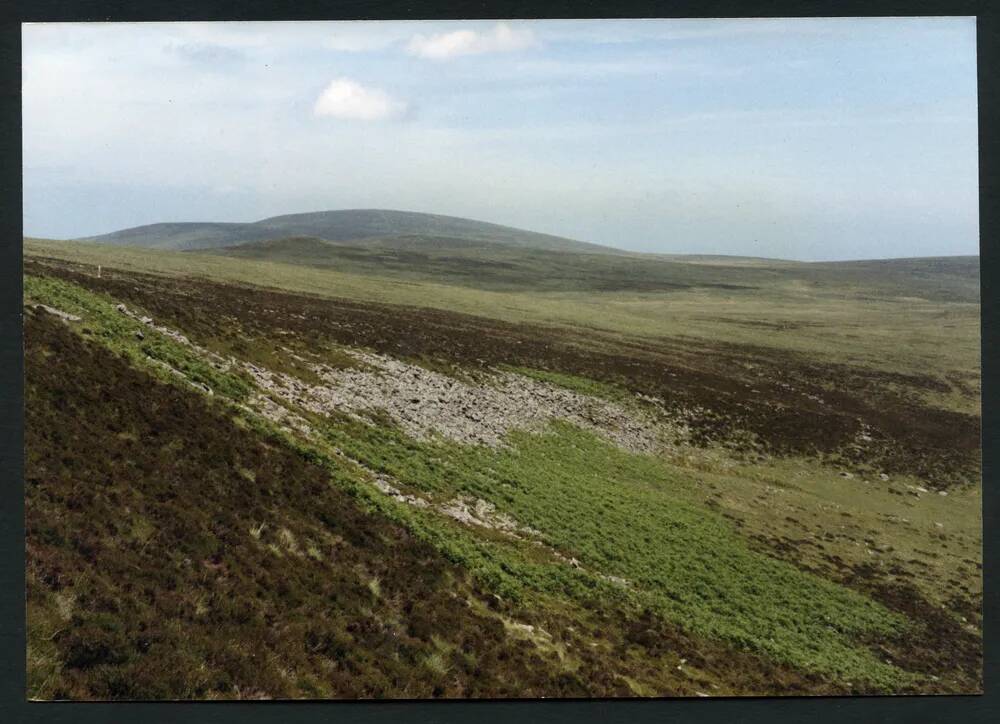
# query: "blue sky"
{"type": "Point", "coordinates": [806, 139]}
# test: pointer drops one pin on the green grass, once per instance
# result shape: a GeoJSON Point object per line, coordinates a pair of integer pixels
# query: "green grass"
{"type": "Point", "coordinates": [781, 498]}
{"type": "Point", "coordinates": [118, 332]}
{"type": "Point", "coordinates": [857, 318]}
{"type": "Point", "coordinates": [631, 516]}
{"type": "Point", "coordinates": [497, 267]}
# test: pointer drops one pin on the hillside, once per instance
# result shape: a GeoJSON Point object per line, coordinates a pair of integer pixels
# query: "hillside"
{"type": "Point", "coordinates": [344, 225]}
{"type": "Point", "coordinates": [866, 318]}
{"type": "Point", "coordinates": [485, 264]}
{"type": "Point", "coordinates": [492, 266]}
{"type": "Point", "coordinates": [450, 250]}
{"type": "Point", "coordinates": [418, 502]}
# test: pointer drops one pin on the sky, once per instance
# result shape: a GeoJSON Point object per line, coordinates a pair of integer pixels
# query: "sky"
{"type": "Point", "coordinates": [807, 139]}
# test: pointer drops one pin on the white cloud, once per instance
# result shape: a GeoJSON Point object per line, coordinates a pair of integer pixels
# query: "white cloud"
{"type": "Point", "coordinates": [345, 98]}
{"type": "Point", "coordinates": [502, 39]}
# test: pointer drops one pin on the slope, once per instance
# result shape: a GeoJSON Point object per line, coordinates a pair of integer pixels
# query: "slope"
{"type": "Point", "coordinates": [291, 584]}
{"type": "Point", "coordinates": [283, 587]}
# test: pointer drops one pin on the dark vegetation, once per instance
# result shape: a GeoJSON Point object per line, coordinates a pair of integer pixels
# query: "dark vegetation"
{"type": "Point", "coordinates": [789, 404]}
{"type": "Point", "coordinates": [943, 648]}
{"type": "Point", "coordinates": [175, 553]}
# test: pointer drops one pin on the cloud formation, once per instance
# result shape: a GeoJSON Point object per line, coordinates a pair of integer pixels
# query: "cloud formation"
{"type": "Point", "coordinates": [348, 99]}
{"type": "Point", "coordinates": [442, 46]}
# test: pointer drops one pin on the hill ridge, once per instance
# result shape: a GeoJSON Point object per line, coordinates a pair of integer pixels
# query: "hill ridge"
{"type": "Point", "coordinates": [338, 225]}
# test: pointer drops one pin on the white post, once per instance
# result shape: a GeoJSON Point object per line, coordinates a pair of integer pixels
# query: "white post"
{"type": "Point", "coordinates": [98, 271]}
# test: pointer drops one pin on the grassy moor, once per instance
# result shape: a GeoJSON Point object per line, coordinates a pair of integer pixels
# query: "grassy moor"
{"type": "Point", "coordinates": [374, 454]}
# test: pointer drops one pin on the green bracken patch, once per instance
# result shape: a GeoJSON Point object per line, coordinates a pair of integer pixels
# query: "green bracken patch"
{"type": "Point", "coordinates": [620, 515]}
{"type": "Point", "coordinates": [126, 336]}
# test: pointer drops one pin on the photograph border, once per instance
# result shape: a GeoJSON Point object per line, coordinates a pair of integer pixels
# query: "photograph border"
{"type": "Point", "coordinates": [13, 705]}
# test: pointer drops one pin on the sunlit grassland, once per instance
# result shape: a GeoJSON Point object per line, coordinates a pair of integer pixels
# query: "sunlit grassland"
{"type": "Point", "coordinates": [840, 323]}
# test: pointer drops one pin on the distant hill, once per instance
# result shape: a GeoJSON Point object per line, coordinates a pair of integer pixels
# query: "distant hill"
{"type": "Point", "coordinates": [352, 225]}
{"type": "Point", "coordinates": [499, 267]}
{"type": "Point", "coordinates": [481, 264]}
{"type": "Point", "coordinates": [964, 266]}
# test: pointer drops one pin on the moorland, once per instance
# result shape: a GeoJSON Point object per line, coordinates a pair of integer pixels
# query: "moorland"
{"type": "Point", "coordinates": [380, 454]}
